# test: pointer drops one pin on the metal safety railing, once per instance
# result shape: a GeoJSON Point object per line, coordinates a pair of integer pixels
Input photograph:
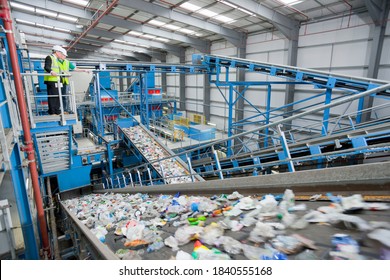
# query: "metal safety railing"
{"type": "Point", "coordinates": [37, 102]}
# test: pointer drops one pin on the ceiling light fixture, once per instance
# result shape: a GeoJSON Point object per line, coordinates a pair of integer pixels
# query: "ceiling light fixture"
{"type": "Point", "coordinates": [190, 7]}
{"type": "Point", "coordinates": [22, 7]}
{"type": "Point", "coordinates": [67, 18]}
{"type": "Point", "coordinates": [156, 22]}
{"type": "Point", "coordinates": [290, 2]}
{"type": "Point", "coordinates": [78, 2]}
{"type": "Point", "coordinates": [206, 12]}
{"type": "Point", "coordinates": [45, 13]}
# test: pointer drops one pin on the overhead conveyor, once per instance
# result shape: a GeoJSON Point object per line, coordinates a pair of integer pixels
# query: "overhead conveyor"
{"type": "Point", "coordinates": [293, 74]}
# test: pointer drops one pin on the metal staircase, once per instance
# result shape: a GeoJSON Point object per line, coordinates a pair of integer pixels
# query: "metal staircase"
{"type": "Point", "coordinates": [54, 151]}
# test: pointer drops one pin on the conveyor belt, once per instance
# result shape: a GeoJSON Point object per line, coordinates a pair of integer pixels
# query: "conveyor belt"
{"type": "Point", "coordinates": [172, 169]}
{"type": "Point", "coordinates": [320, 233]}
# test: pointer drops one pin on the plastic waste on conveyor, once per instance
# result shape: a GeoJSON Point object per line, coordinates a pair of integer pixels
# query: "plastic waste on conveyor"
{"type": "Point", "coordinates": [173, 171]}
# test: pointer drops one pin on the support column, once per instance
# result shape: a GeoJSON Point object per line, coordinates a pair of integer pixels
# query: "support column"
{"type": "Point", "coordinates": [121, 87]}
{"type": "Point", "coordinates": [379, 11]}
{"type": "Point", "coordinates": [182, 88]}
{"type": "Point", "coordinates": [164, 76]}
{"type": "Point", "coordinates": [206, 97]}
{"type": "Point", "coordinates": [292, 61]}
{"type": "Point", "coordinates": [239, 106]}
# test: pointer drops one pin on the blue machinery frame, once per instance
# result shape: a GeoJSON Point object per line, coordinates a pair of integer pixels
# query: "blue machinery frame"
{"type": "Point", "coordinates": [219, 69]}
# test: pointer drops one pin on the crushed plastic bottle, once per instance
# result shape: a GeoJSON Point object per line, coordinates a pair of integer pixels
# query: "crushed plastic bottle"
{"type": "Point", "coordinates": [306, 255]}
{"type": "Point", "coordinates": [155, 246]}
{"type": "Point", "coordinates": [344, 242]}
{"type": "Point", "coordinates": [289, 197]}
{"type": "Point", "coordinates": [275, 256]}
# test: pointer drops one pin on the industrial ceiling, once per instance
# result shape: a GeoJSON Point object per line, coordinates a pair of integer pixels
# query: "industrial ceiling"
{"type": "Point", "coordinates": [145, 29]}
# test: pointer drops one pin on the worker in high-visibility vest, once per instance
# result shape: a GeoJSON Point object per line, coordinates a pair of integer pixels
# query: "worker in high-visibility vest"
{"type": "Point", "coordinates": [52, 67]}
{"type": "Point", "coordinates": [66, 66]}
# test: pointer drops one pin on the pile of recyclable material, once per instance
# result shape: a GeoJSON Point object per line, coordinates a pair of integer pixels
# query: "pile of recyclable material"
{"type": "Point", "coordinates": [223, 227]}
{"type": "Point", "coordinates": [152, 150]}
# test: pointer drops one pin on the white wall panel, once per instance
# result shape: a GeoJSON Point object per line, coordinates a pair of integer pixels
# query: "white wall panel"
{"type": "Point", "coordinates": [360, 71]}
{"type": "Point", "coordinates": [173, 80]}
{"type": "Point", "coordinates": [194, 106]}
{"type": "Point", "coordinates": [195, 80]}
{"type": "Point", "coordinates": [350, 54]}
{"type": "Point", "coordinates": [217, 96]}
{"type": "Point", "coordinates": [279, 57]}
{"type": "Point", "coordinates": [335, 36]}
{"type": "Point", "coordinates": [173, 91]}
{"type": "Point", "coordinates": [220, 122]}
{"type": "Point", "coordinates": [223, 48]}
{"type": "Point", "coordinates": [385, 57]}
{"type": "Point", "coordinates": [316, 56]}
{"type": "Point", "coordinates": [263, 57]}
{"type": "Point", "coordinates": [195, 93]}
{"type": "Point", "coordinates": [341, 23]}
{"type": "Point", "coordinates": [384, 73]}
{"type": "Point", "coordinates": [266, 46]}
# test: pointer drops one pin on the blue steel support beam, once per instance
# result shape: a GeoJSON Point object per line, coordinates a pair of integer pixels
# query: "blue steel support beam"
{"type": "Point", "coordinates": [30, 243]}
{"type": "Point", "coordinates": [325, 117]}
{"type": "Point", "coordinates": [144, 100]}
{"type": "Point", "coordinates": [316, 150]}
{"type": "Point", "coordinates": [230, 121]}
{"type": "Point", "coordinates": [285, 153]}
{"type": "Point", "coordinates": [268, 109]}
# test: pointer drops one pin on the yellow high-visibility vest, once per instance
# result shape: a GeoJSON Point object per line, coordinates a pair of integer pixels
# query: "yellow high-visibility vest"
{"type": "Point", "coordinates": [55, 68]}
{"type": "Point", "coordinates": [64, 67]}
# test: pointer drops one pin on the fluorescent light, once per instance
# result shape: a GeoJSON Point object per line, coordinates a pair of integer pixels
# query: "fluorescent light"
{"type": "Point", "coordinates": [247, 12]}
{"type": "Point", "coordinates": [44, 26]}
{"type": "Point", "coordinates": [207, 13]}
{"type": "Point", "coordinates": [185, 30]}
{"type": "Point", "coordinates": [62, 29]}
{"type": "Point", "coordinates": [78, 2]}
{"type": "Point", "coordinates": [171, 26]}
{"type": "Point", "coordinates": [24, 22]}
{"type": "Point", "coordinates": [148, 36]}
{"type": "Point", "coordinates": [290, 2]}
{"type": "Point", "coordinates": [67, 18]}
{"type": "Point", "coordinates": [45, 12]}
{"type": "Point", "coordinates": [228, 4]}
{"type": "Point", "coordinates": [22, 7]}
{"type": "Point", "coordinates": [190, 7]}
{"type": "Point", "coordinates": [156, 22]}
{"type": "Point", "coordinates": [224, 19]}
{"type": "Point", "coordinates": [134, 33]}
{"type": "Point", "coordinates": [162, 39]}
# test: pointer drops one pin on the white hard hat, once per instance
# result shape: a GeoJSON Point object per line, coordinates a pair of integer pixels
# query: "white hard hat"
{"type": "Point", "coordinates": [64, 52]}
{"type": "Point", "coordinates": [60, 49]}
